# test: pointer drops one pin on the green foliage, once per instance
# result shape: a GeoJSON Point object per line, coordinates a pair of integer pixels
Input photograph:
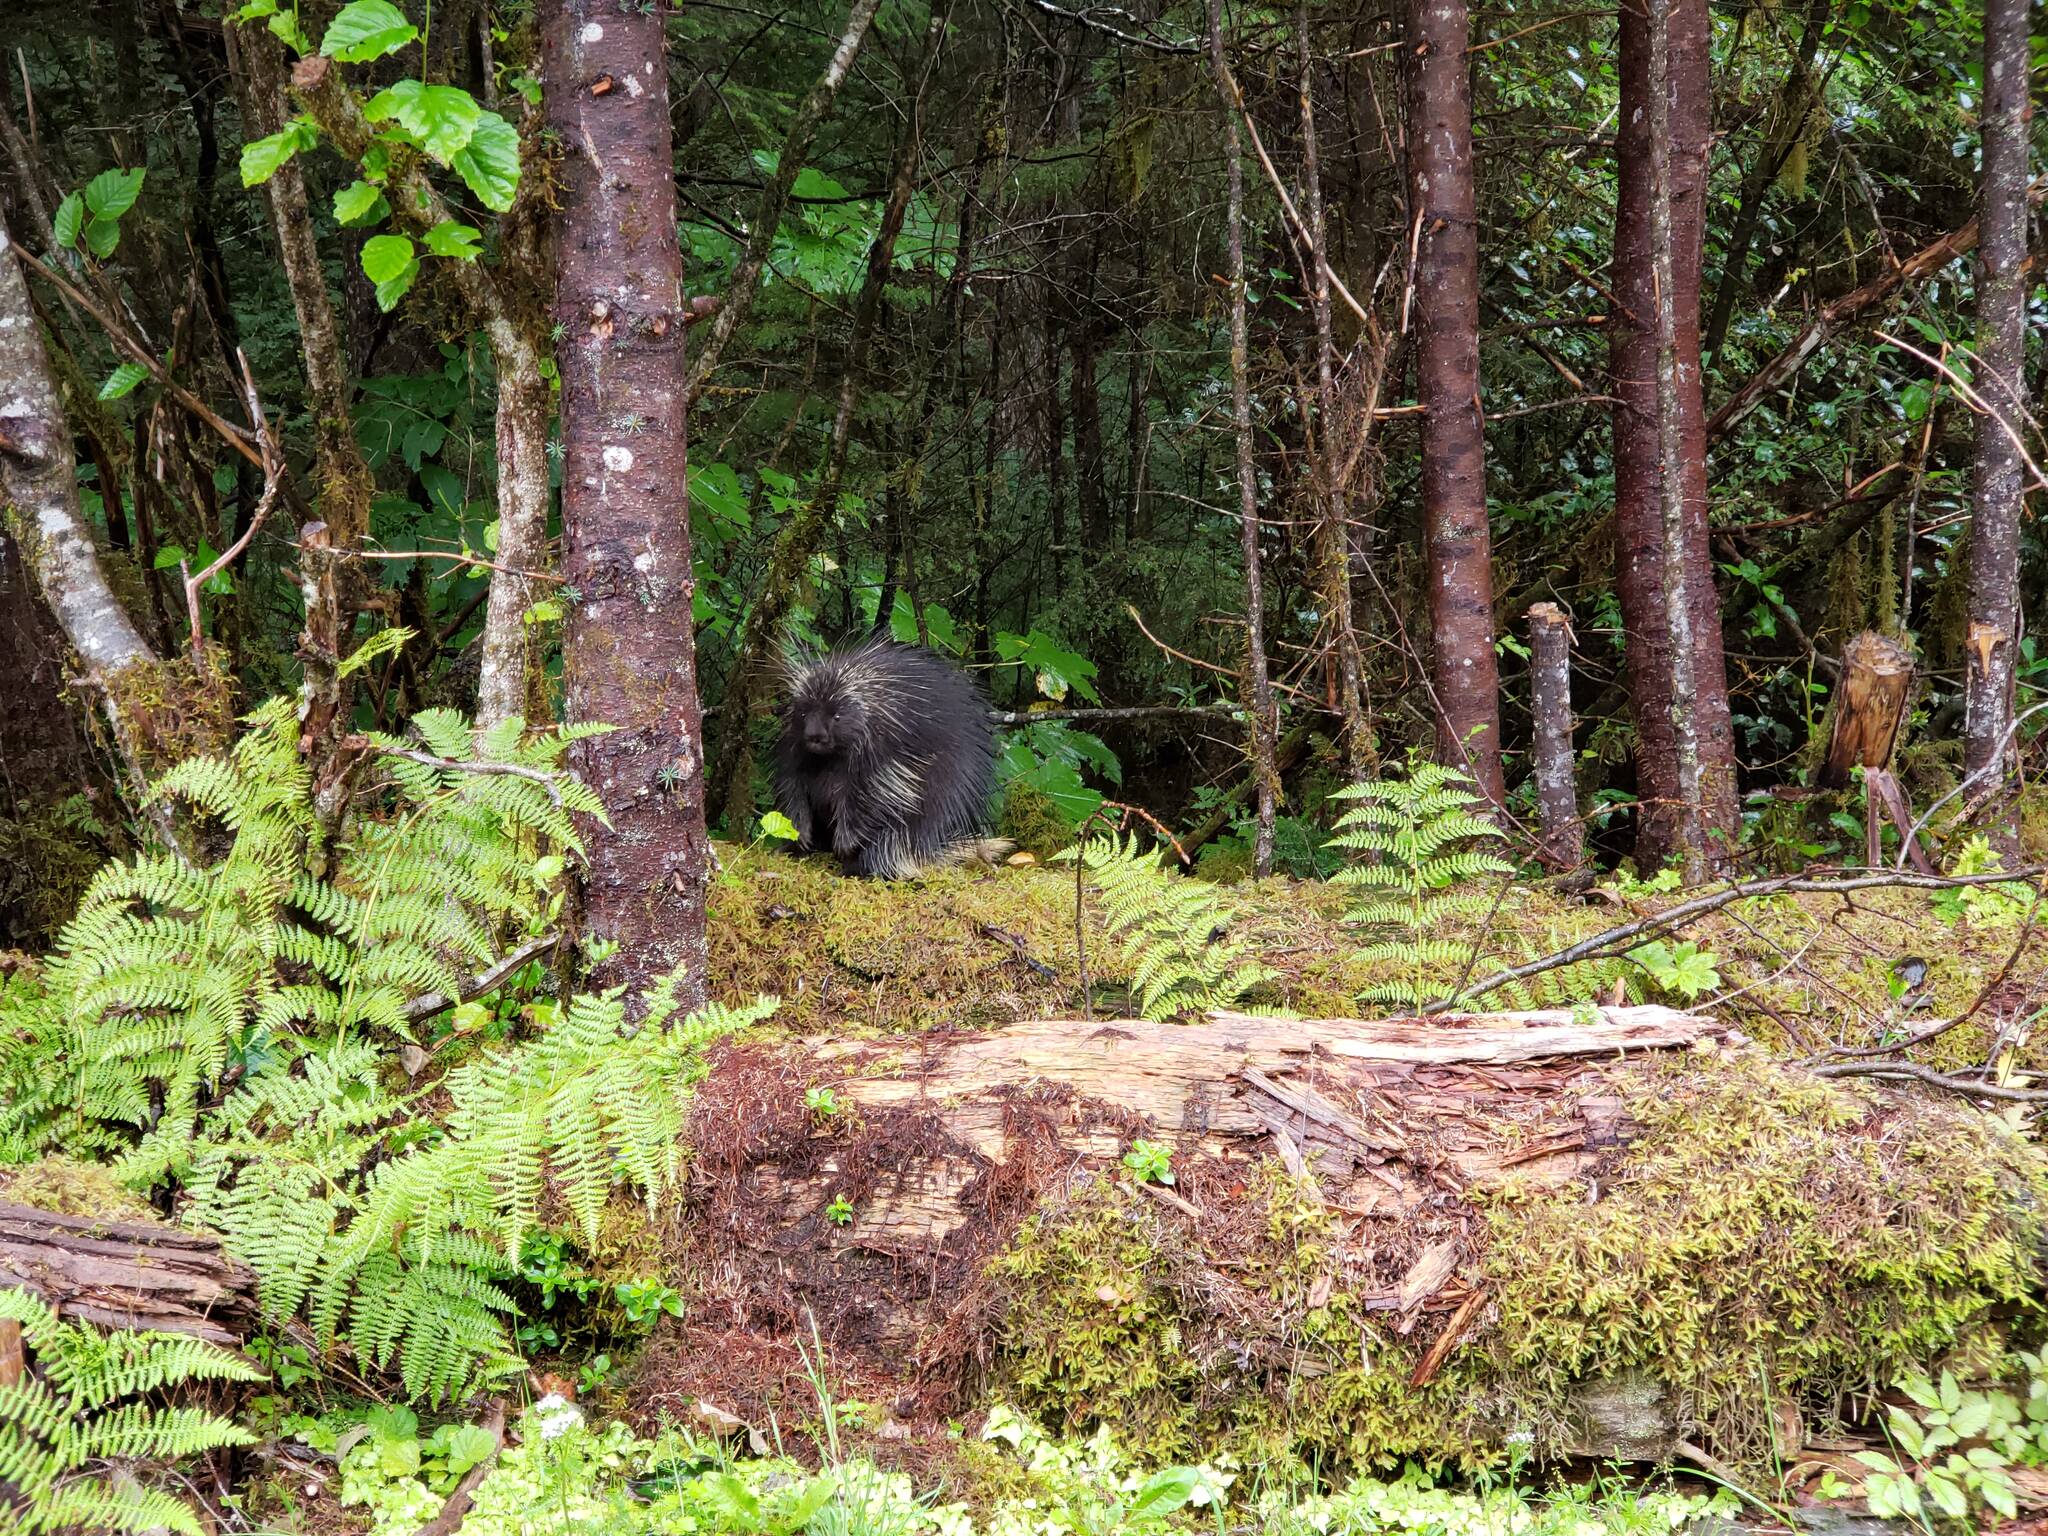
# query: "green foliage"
{"type": "Point", "coordinates": [91, 217]}
{"type": "Point", "coordinates": [1170, 930]}
{"type": "Point", "coordinates": [84, 1410]}
{"type": "Point", "coordinates": [1149, 1163]}
{"type": "Point", "coordinates": [1953, 1448]}
{"type": "Point", "coordinates": [1425, 832]}
{"type": "Point", "coordinates": [1682, 968]}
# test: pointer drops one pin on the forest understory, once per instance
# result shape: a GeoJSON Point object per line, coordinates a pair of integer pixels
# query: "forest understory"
{"type": "Point", "coordinates": [1019, 767]}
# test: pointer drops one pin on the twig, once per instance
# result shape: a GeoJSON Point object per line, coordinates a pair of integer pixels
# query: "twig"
{"type": "Point", "coordinates": [476, 561]}
{"type": "Point", "coordinates": [1193, 661]}
{"type": "Point", "coordinates": [1603, 945]}
{"type": "Point", "coordinates": [273, 482]}
{"type": "Point", "coordinates": [548, 780]}
{"type": "Point", "coordinates": [1912, 1071]}
{"type": "Point", "coordinates": [1975, 401]}
{"type": "Point", "coordinates": [1131, 712]}
{"type": "Point", "coordinates": [1995, 765]}
{"type": "Point", "coordinates": [1087, 19]}
{"type": "Point", "coordinates": [484, 981]}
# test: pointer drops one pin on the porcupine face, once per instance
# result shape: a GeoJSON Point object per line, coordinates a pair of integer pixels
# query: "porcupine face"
{"type": "Point", "coordinates": [827, 720]}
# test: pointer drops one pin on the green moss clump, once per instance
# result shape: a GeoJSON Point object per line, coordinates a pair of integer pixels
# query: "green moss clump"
{"type": "Point", "coordinates": [1771, 1237]}
{"type": "Point", "coordinates": [66, 1187]}
{"type": "Point", "coordinates": [1767, 1238]}
{"type": "Point", "coordinates": [1034, 822]}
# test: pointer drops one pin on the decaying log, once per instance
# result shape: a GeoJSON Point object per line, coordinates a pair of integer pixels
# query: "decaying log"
{"type": "Point", "coordinates": [128, 1274]}
{"type": "Point", "coordinates": [1870, 703]}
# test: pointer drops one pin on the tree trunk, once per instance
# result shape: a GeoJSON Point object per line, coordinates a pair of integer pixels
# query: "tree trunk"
{"type": "Point", "coordinates": [39, 492]}
{"type": "Point", "coordinates": [1333, 523]}
{"type": "Point", "coordinates": [525, 405]}
{"type": "Point", "coordinates": [1465, 673]}
{"type": "Point", "coordinates": [1869, 707]}
{"type": "Point", "coordinates": [1550, 686]}
{"type": "Point", "coordinates": [1656, 379]}
{"type": "Point", "coordinates": [630, 652]}
{"type": "Point", "coordinates": [1264, 723]}
{"type": "Point", "coordinates": [1996, 492]}
{"type": "Point", "coordinates": [1084, 404]}
{"type": "Point", "coordinates": [346, 484]}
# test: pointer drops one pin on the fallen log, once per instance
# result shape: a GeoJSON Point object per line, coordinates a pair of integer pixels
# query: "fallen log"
{"type": "Point", "coordinates": [139, 1275]}
{"type": "Point", "coordinates": [1395, 1237]}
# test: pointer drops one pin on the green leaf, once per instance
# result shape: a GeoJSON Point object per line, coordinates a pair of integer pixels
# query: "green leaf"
{"type": "Point", "coordinates": [489, 163]}
{"type": "Point", "coordinates": [546, 611]}
{"type": "Point", "coordinates": [438, 119]}
{"type": "Point", "coordinates": [112, 193]}
{"type": "Point", "coordinates": [256, 10]}
{"type": "Point", "coordinates": [367, 29]}
{"type": "Point", "coordinates": [1915, 399]}
{"type": "Point", "coordinates": [449, 238]}
{"type": "Point", "coordinates": [70, 219]}
{"type": "Point", "coordinates": [386, 257]}
{"type": "Point", "coordinates": [168, 558]}
{"type": "Point", "coordinates": [123, 380]}
{"type": "Point", "coordinates": [777, 825]}
{"type": "Point", "coordinates": [1163, 1493]}
{"type": "Point", "coordinates": [102, 236]}
{"type": "Point", "coordinates": [285, 26]}
{"type": "Point", "coordinates": [263, 159]}
{"type": "Point", "coordinates": [389, 262]}
{"type": "Point", "coordinates": [359, 203]}
{"type": "Point", "coordinates": [467, 1445]}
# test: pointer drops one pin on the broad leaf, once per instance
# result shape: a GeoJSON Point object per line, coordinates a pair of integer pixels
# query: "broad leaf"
{"type": "Point", "coordinates": [263, 159]}
{"type": "Point", "coordinates": [359, 203]}
{"type": "Point", "coordinates": [449, 238]}
{"type": "Point", "coordinates": [112, 193]}
{"type": "Point", "coordinates": [390, 263]}
{"type": "Point", "coordinates": [367, 29]}
{"type": "Point", "coordinates": [69, 221]}
{"type": "Point", "coordinates": [102, 236]}
{"type": "Point", "coordinates": [489, 163]}
{"type": "Point", "coordinates": [437, 118]}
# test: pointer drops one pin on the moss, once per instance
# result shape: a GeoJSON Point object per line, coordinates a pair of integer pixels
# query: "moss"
{"type": "Point", "coordinates": [1034, 822]}
{"type": "Point", "coordinates": [68, 1188]}
{"type": "Point", "coordinates": [1768, 1237]}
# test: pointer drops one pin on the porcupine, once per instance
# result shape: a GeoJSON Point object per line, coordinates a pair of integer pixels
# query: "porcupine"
{"type": "Point", "coordinates": [886, 759]}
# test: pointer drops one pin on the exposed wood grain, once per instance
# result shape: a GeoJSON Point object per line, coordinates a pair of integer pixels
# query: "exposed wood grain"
{"type": "Point", "coordinates": [125, 1274]}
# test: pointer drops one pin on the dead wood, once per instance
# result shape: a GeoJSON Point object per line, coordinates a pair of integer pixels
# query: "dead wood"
{"type": "Point", "coordinates": [128, 1274]}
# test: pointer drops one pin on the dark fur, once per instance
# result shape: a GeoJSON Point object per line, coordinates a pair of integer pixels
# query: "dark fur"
{"type": "Point", "coordinates": [886, 759]}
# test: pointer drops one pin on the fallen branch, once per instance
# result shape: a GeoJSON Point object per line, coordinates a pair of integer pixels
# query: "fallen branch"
{"type": "Point", "coordinates": [484, 981]}
{"type": "Point", "coordinates": [1614, 942]}
{"type": "Point", "coordinates": [1912, 1071]}
{"type": "Point", "coordinates": [1121, 712]}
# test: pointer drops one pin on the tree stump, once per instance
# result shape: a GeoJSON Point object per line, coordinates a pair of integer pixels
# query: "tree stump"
{"type": "Point", "coordinates": [1870, 705]}
{"type": "Point", "coordinates": [1563, 836]}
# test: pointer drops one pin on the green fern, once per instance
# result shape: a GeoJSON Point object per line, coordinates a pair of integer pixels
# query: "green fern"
{"type": "Point", "coordinates": [60, 1426]}
{"type": "Point", "coordinates": [1426, 833]}
{"type": "Point", "coordinates": [1163, 924]}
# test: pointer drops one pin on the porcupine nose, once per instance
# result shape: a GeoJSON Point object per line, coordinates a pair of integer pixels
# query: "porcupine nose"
{"type": "Point", "coordinates": [817, 739]}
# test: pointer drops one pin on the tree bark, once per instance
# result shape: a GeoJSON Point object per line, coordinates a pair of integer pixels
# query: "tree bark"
{"type": "Point", "coordinates": [738, 298]}
{"type": "Point", "coordinates": [1869, 707]}
{"type": "Point", "coordinates": [1996, 491]}
{"type": "Point", "coordinates": [1265, 723]}
{"type": "Point", "coordinates": [1550, 685]}
{"type": "Point", "coordinates": [39, 493]}
{"type": "Point", "coordinates": [1660, 486]}
{"type": "Point", "coordinates": [630, 652]}
{"type": "Point", "coordinates": [1333, 533]}
{"type": "Point", "coordinates": [128, 1274]}
{"type": "Point", "coordinates": [1465, 673]}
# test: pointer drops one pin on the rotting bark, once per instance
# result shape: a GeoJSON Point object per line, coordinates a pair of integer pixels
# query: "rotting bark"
{"type": "Point", "coordinates": [797, 540]}
{"type": "Point", "coordinates": [128, 1274]}
{"type": "Point", "coordinates": [1656, 379]}
{"type": "Point", "coordinates": [1265, 722]}
{"type": "Point", "coordinates": [515, 328]}
{"type": "Point", "coordinates": [1562, 832]}
{"type": "Point", "coordinates": [1869, 706]}
{"type": "Point", "coordinates": [1464, 671]}
{"type": "Point", "coordinates": [1996, 494]}
{"type": "Point", "coordinates": [630, 650]}
{"type": "Point", "coordinates": [1454, 1102]}
{"type": "Point", "coordinates": [1332, 537]}
{"type": "Point", "coordinates": [738, 299]}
